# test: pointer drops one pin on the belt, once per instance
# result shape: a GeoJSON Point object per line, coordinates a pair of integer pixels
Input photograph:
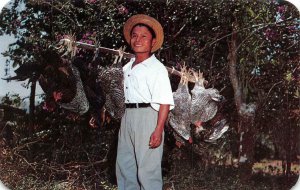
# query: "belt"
{"type": "Point", "coordinates": [137, 105]}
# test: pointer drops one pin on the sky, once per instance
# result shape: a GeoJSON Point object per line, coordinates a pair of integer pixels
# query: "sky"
{"type": "Point", "coordinates": [12, 87]}
{"type": "Point", "coordinates": [3, 86]}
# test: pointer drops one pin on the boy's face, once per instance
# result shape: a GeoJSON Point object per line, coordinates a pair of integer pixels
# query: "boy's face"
{"type": "Point", "coordinates": [141, 40]}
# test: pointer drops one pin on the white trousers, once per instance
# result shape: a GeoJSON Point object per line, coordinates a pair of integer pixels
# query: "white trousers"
{"type": "Point", "coordinates": [138, 166]}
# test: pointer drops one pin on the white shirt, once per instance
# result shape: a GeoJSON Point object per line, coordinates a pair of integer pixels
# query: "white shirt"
{"type": "Point", "coordinates": [147, 82]}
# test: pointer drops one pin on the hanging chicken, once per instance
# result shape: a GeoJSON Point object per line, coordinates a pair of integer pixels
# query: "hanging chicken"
{"type": "Point", "coordinates": [204, 101]}
{"type": "Point", "coordinates": [61, 80]}
{"type": "Point", "coordinates": [180, 117]}
{"type": "Point", "coordinates": [88, 75]}
{"type": "Point", "coordinates": [93, 90]}
{"type": "Point", "coordinates": [111, 80]}
{"type": "Point", "coordinates": [202, 107]}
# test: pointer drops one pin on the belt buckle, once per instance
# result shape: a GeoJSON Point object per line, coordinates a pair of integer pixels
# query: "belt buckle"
{"type": "Point", "coordinates": [137, 105]}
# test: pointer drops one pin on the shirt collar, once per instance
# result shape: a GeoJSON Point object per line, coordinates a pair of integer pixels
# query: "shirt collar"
{"type": "Point", "coordinates": [147, 61]}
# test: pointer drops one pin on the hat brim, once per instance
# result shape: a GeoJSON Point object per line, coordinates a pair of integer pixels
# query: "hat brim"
{"type": "Point", "coordinates": [149, 21]}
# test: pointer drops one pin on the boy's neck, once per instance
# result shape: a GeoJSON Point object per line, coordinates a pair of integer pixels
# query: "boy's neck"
{"type": "Point", "coordinates": [141, 57]}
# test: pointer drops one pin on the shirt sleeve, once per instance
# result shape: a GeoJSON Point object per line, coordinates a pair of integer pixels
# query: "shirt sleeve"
{"type": "Point", "coordinates": [160, 89]}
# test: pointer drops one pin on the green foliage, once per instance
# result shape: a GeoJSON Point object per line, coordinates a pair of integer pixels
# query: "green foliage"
{"type": "Point", "coordinates": [195, 31]}
{"type": "Point", "coordinates": [11, 100]}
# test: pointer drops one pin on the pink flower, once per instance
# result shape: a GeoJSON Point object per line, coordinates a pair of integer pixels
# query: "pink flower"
{"type": "Point", "coordinates": [122, 10]}
{"type": "Point", "coordinates": [58, 37]}
{"type": "Point", "coordinates": [49, 106]}
{"type": "Point", "coordinates": [270, 34]}
{"type": "Point", "coordinates": [90, 41]}
{"type": "Point", "coordinates": [91, 1]}
{"type": "Point", "coordinates": [281, 9]}
{"type": "Point", "coordinates": [291, 28]}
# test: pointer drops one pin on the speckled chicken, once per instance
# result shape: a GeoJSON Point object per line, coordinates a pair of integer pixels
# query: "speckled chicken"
{"type": "Point", "coordinates": [179, 117]}
{"type": "Point", "coordinates": [61, 80]}
{"type": "Point", "coordinates": [111, 79]}
{"type": "Point", "coordinates": [204, 101]}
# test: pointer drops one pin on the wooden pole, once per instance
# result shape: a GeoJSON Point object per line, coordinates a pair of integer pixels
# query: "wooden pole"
{"type": "Point", "coordinates": [117, 52]}
{"type": "Point", "coordinates": [103, 49]}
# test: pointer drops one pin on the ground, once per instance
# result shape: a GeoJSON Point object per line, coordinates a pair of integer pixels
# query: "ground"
{"type": "Point", "coordinates": [182, 172]}
{"type": "Point", "coordinates": [73, 157]}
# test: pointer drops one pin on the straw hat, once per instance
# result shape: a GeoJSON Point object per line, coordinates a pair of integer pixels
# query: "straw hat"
{"type": "Point", "coordinates": [149, 21]}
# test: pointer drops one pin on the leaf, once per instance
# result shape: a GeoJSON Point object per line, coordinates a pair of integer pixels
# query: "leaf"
{"type": "Point", "coordinates": [242, 60]}
{"type": "Point", "coordinates": [297, 93]}
{"type": "Point", "coordinates": [252, 14]}
{"type": "Point", "coordinates": [288, 77]}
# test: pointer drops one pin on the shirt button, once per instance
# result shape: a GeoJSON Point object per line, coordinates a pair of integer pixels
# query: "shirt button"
{"type": "Point", "coordinates": [126, 87]}
{"type": "Point", "coordinates": [128, 75]}
{"type": "Point", "coordinates": [127, 100]}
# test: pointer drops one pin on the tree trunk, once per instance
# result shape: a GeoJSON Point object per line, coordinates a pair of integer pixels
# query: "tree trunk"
{"type": "Point", "coordinates": [288, 151]}
{"type": "Point", "coordinates": [246, 149]}
{"type": "Point", "coordinates": [246, 118]}
{"type": "Point", "coordinates": [32, 106]}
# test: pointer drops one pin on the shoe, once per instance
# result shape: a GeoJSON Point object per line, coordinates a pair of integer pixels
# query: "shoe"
{"type": "Point", "coordinates": [220, 128]}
